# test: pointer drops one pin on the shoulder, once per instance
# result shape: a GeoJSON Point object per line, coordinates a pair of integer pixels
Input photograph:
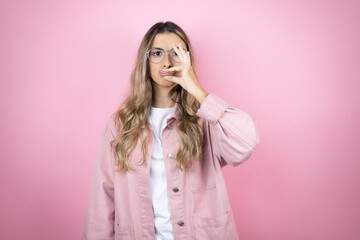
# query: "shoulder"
{"type": "Point", "coordinates": [110, 131]}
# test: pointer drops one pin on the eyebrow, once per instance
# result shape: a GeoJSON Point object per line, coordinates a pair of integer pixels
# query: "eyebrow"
{"type": "Point", "coordinates": [160, 47]}
{"type": "Point", "coordinates": [169, 49]}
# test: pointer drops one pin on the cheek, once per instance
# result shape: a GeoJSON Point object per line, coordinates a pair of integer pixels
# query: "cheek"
{"type": "Point", "coordinates": [153, 70]}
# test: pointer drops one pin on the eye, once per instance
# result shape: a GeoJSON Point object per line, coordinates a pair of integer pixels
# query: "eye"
{"type": "Point", "coordinates": [156, 53]}
{"type": "Point", "coordinates": [173, 53]}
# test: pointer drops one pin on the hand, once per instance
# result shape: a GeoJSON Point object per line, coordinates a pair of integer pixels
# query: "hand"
{"type": "Point", "coordinates": [188, 79]}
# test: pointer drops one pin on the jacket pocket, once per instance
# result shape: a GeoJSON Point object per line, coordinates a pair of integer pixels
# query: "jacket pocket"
{"type": "Point", "coordinates": [216, 228]}
{"type": "Point", "coordinates": [124, 232]}
{"type": "Point", "coordinates": [202, 176]}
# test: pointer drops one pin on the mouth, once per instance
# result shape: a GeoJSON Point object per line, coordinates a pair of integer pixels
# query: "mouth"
{"type": "Point", "coordinates": [166, 73]}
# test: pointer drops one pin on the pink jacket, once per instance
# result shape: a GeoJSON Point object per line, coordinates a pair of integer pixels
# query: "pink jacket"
{"type": "Point", "coordinates": [119, 204]}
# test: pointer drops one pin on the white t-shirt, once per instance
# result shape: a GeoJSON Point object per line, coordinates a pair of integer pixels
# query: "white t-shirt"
{"type": "Point", "coordinates": [159, 195]}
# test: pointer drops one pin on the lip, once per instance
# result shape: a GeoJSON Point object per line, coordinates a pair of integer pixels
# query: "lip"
{"type": "Point", "coordinates": [167, 73]}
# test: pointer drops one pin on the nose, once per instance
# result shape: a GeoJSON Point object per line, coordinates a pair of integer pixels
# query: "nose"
{"type": "Point", "coordinates": [167, 60]}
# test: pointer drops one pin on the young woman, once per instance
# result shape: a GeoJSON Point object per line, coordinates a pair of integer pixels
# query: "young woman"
{"type": "Point", "coordinates": [158, 169]}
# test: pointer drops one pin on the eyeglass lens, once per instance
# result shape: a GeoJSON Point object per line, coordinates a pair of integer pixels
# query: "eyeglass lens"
{"type": "Point", "coordinates": [157, 55]}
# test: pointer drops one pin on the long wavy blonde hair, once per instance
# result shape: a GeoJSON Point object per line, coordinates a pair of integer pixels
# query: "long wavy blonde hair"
{"type": "Point", "coordinates": [131, 118]}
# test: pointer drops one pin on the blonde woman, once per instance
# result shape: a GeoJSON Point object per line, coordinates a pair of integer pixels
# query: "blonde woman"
{"type": "Point", "coordinates": [158, 169]}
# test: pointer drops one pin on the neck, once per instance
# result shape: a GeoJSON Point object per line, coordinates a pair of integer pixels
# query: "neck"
{"type": "Point", "coordinates": [161, 97]}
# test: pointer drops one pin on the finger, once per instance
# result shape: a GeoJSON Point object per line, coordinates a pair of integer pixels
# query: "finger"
{"type": "Point", "coordinates": [185, 54]}
{"type": "Point", "coordinates": [176, 68]}
{"type": "Point", "coordinates": [178, 52]}
{"type": "Point", "coordinates": [172, 79]}
{"type": "Point", "coordinates": [182, 50]}
{"type": "Point", "coordinates": [188, 57]}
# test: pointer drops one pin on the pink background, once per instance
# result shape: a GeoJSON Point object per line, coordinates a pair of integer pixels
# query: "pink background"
{"type": "Point", "coordinates": [294, 66]}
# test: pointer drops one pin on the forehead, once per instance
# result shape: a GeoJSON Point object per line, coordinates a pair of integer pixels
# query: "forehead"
{"type": "Point", "coordinates": [164, 40]}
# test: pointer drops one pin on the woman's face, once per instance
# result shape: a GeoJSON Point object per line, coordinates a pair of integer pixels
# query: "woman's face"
{"type": "Point", "coordinates": [164, 41]}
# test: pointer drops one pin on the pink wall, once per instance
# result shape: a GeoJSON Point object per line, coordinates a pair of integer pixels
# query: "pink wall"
{"type": "Point", "coordinates": [293, 65]}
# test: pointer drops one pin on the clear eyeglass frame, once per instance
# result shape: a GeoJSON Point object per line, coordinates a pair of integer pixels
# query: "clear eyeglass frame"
{"type": "Point", "coordinates": [157, 48]}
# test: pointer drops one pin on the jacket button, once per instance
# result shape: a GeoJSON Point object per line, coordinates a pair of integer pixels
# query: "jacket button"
{"type": "Point", "coordinates": [171, 155]}
{"type": "Point", "coordinates": [175, 189]}
{"type": "Point", "coordinates": [181, 223]}
{"type": "Point", "coordinates": [169, 126]}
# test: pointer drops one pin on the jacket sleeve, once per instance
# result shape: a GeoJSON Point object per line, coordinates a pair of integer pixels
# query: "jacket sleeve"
{"type": "Point", "coordinates": [233, 132]}
{"type": "Point", "coordinates": [100, 212]}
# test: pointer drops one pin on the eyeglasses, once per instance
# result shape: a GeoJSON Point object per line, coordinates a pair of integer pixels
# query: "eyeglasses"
{"type": "Point", "coordinates": [156, 55]}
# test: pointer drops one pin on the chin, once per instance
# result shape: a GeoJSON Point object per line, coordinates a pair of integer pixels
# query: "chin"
{"type": "Point", "coordinates": [163, 83]}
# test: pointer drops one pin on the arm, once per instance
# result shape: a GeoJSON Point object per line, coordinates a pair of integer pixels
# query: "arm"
{"type": "Point", "coordinates": [99, 217]}
{"type": "Point", "coordinates": [235, 132]}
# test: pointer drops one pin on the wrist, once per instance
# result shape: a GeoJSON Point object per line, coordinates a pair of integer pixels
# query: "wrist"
{"type": "Point", "coordinates": [200, 94]}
